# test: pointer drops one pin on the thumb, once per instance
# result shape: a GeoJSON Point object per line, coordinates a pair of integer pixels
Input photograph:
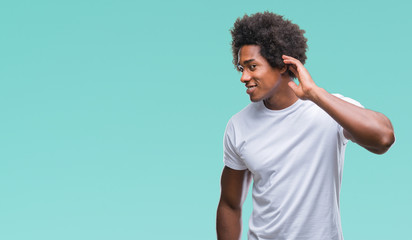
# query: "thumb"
{"type": "Point", "coordinates": [293, 85]}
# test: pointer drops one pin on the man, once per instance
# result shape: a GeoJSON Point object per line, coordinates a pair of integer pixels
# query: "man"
{"type": "Point", "coordinates": [291, 139]}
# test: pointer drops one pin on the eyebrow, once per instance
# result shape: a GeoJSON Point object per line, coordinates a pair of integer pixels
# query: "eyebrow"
{"type": "Point", "coordinates": [248, 61]}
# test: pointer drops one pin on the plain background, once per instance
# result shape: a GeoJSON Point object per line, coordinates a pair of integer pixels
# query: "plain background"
{"type": "Point", "coordinates": [113, 113]}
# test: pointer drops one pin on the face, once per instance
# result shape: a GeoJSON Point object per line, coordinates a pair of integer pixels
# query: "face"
{"type": "Point", "coordinates": [261, 80]}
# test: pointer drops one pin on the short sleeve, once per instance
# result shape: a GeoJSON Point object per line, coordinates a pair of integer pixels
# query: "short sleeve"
{"type": "Point", "coordinates": [349, 100]}
{"type": "Point", "coordinates": [231, 157]}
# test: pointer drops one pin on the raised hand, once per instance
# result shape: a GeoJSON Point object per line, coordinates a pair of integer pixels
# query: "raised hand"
{"type": "Point", "coordinates": [307, 87]}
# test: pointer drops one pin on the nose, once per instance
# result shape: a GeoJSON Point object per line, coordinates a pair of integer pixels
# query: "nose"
{"type": "Point", "coordinates": [245, 77]}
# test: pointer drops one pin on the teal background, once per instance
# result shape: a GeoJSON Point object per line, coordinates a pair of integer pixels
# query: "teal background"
{"type": "Point", "coordinates": [113, 113]}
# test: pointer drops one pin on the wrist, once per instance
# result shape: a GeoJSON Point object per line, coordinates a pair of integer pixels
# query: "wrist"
{"type": "Point", "coordinates": [316, 94]}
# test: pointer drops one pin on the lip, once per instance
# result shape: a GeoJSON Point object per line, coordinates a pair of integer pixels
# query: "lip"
{"type": "Point", "coordinates": [251, 89]}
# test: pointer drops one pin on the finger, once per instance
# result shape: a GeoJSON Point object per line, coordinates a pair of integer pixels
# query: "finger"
{"type": "Point", "coordinates": [294, 70]}
{"type": "Point", "coordinates": [293, 85]}
{"type": "Point", "coordinates": [291, 64]}
{"type": "Point", "coordinates": [295, 62]}
{"type": "Point", "coordinates": [285, 57]}
{"type": "Point", "coordinates": [288, 57]}
{"type": "Point", "coordinates": [291, 60]}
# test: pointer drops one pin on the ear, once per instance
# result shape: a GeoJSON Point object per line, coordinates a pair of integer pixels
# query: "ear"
{"type": "Point", "coordinates": [284, 69]}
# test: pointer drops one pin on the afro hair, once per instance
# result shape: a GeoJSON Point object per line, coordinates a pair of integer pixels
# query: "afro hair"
{"type": "Point", "coordinates": [274, 35]}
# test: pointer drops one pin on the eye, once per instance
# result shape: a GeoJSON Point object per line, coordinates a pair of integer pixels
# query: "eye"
{"type": "Point", "coordinates": [240, 68]}
{"type": "Point", "coordinates": [252, 67]}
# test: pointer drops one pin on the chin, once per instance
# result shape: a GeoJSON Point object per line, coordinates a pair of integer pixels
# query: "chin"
{"type": "Point", "coordinates": [255, 99]}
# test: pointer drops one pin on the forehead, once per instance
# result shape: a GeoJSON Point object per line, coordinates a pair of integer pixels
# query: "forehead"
{"type": "Point", "coordinates": [248, 52]}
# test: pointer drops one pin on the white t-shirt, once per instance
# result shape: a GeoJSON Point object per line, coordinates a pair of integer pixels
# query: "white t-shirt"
{"type": "Point", "coordinates": [296, 158]}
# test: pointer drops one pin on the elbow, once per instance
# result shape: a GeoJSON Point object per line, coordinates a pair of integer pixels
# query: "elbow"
{"type": "Point", "coordinates": [229, 206]}
{"type": "Point", "coordinates": [385, 142]}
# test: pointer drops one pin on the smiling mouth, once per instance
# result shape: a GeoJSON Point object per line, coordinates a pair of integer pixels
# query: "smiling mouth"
{"type": "Point", "coordinates": [250, 89]}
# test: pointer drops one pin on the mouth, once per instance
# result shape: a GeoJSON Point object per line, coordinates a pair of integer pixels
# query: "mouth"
{"type": "Point", "coordinates": [250, 89]}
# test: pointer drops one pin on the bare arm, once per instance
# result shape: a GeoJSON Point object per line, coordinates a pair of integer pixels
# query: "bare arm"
{"type": "Point", "coordinates": [234, 188]}
{"type": "Point", "coordinates": [369, 129]}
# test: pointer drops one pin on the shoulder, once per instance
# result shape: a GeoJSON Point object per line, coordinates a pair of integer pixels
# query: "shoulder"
{"type": "Point", "coordinates": [239, 121]}
{"type": "Point", "coordinates": [247, 112]}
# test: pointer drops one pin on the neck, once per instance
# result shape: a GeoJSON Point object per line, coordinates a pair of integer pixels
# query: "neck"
{"type": "Point", "coordinates": [283, 98]}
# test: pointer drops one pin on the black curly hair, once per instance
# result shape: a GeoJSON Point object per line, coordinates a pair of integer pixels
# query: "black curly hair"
{"type": "Point", "coordinates": [274, 35]}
